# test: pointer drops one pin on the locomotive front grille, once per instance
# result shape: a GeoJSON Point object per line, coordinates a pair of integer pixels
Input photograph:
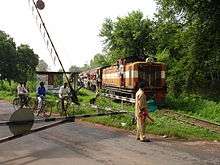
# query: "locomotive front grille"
{"type": "Point", "coordinates": [151, 74]}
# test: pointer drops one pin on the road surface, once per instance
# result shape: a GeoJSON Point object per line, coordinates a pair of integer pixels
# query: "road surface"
{"type": "Point", "coordinates": [83, 143]}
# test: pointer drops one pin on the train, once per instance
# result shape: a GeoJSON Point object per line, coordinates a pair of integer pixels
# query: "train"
{"type": "Point", "coordinates": [122, 78]}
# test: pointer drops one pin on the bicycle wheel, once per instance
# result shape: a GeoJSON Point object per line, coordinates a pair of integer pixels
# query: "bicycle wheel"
{"type": "Point", "coordinates": [29, 103]}
{"type": "Point", "coordinates": [63, 111]}
{"type": "Point", "coordinates": [34, 104]}
{"type": "Point", "coordinates": [59, 108]}
{"type": "Point", "coordinates": [69, 106]}
{"type": "Point", "coordinates": [16, 103]}
{"type": "Point", "coordinates": [47, 109]}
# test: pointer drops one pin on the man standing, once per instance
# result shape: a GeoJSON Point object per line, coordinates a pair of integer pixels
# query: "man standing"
{"type": "Point", "coordinates": [141, 112]}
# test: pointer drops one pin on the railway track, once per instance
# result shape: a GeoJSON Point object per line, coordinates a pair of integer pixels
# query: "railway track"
{"type": "Point", "coordinates": [214, 127]}
{"type": "Point", "coordinates": [211, 126]}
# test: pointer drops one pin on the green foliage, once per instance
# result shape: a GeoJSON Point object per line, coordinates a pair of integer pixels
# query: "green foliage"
{"type": "Point", "coordinates": [58, 80]}
{"type": "Point", "coordinates": [195, 105]}
{"type": "Point", "coordinates": [10, 88]}
{"type": "Point", "coordinates": [98, 60]}
{"type": "Point", "coordinates": [42, 66]}
{"type": "Point", "coordinates": [32, 86]}
{"type": "Point", "coordinates": [8, 57]}
{"type": "Point", "coordinates": [163, 125]}
{"type": "Point", "coordinates": [16, 64]}
{"type": "Point", "coordinates": [26, 63]}
{"type": "Point", "coordinates": [163, 56]}
{"type": "Point", "coordinates": [189, 31]}
{"type": "Point", "coordinates": [5, 95]}
{"type": "Point", "coordinates": [173, 128]}
{"type": "Point", "coordinates": [184, 35]}
{"type": "Point", "coordinates": [127, 36]}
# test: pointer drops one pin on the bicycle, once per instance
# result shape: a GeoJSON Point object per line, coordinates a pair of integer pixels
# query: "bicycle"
{"type": "Point", "coordinates": [68, 105]}
{"type": "Point", "coordinates": [45, 108]}
{"type": "Point", "coordinates": [20, 103]}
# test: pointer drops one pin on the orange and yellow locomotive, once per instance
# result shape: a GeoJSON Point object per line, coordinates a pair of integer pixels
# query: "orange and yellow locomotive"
{"type": "Point", "coordinates": [122, 79]}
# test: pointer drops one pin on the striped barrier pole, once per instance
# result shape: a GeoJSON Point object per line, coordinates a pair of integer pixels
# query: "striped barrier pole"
{"type": "Point", "coordinates": [63, 121]}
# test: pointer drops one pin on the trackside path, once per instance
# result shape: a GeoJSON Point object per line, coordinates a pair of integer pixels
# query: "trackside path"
{"type": "Point", "coordinates": [90, 144]}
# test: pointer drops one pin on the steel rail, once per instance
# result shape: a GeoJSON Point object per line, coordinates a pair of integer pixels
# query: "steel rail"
{"type": "Point", "coordinates": [215, 127]}
{"type": "Point", "coordinates": [192, 117]}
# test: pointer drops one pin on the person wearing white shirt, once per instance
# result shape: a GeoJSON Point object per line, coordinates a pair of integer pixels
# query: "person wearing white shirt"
{"type": "Point", "coordinates": [63, 93]}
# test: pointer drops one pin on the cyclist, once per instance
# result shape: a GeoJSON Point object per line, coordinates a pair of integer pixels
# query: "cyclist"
{"type": "Point", "coordinates": [41, 93]}
{"type": "Point", "coordinates": [63, 93]}
{"type": "Point", "coordinates": [22, 93]}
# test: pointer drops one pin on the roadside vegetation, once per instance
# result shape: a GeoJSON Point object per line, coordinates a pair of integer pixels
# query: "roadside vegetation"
{"type": "Point", "coordinates": [195, 106]}
{"type": "Point", "coordinates": [163, 125]}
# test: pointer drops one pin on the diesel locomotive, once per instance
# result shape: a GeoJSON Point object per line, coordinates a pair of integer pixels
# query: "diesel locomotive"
{"type": "Point", "coordinates": [122, 78]}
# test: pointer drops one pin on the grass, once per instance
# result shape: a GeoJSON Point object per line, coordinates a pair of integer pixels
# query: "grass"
{"type": "Point", "coordinates": [162, 125]}
{"type": "Point", "coordinates": [173, 128]}
{"type": "Point", "coordinates": [195, 106]}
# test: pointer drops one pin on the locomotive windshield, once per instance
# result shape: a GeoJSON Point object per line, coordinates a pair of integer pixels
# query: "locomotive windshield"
{"type": "Point", "coordinates": [151, 74]}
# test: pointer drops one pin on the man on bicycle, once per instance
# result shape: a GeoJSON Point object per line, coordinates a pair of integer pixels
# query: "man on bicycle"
{"type": "Point", "coordinates": [22, 93]}
{"type": "Point", "coordinates": [63, 93]}
{"type": "Point", "coordinates": [41, 93]}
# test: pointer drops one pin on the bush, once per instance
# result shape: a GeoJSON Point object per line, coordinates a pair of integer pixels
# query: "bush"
{"type": "Point", "coordinates": [195, 105]}
{"type": "Point", "coordinates": [10, 87]}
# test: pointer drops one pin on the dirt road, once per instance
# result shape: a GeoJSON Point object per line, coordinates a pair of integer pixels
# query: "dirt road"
{"type": "Point", "coordinates": [82, 143]}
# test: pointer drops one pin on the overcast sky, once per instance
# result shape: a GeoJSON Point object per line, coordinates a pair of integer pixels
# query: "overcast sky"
{"type": "Point", "coordinates": [73, 25]}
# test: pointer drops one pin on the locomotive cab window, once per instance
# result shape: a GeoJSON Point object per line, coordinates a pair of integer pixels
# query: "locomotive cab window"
{"type": "Point", "coordinates": [151, 74]}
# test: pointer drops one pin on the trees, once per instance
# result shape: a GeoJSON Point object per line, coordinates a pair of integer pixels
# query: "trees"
{"type": "Point", "coordinates": [8, 57]}
{"type": "Point", "coordinates": [189, 32]}
{"type": "Point", "coordinates": [98, 60]}
{"type": "Point", "coordinates": [74, 68]}
{"type": "Point", "coordinates": [27, 62]}
{"type": "Point", "coordinates": [84, 67]}
{"type": "Point", "coordinates": [127, 36]}
{"type": "Point", "coordinates": [16, 64]}
{"type": "Point", "coordinates": [42, 66]}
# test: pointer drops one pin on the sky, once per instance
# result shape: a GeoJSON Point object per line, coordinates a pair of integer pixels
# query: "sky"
{"type": "Point", "coordinates": [73, 26]}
